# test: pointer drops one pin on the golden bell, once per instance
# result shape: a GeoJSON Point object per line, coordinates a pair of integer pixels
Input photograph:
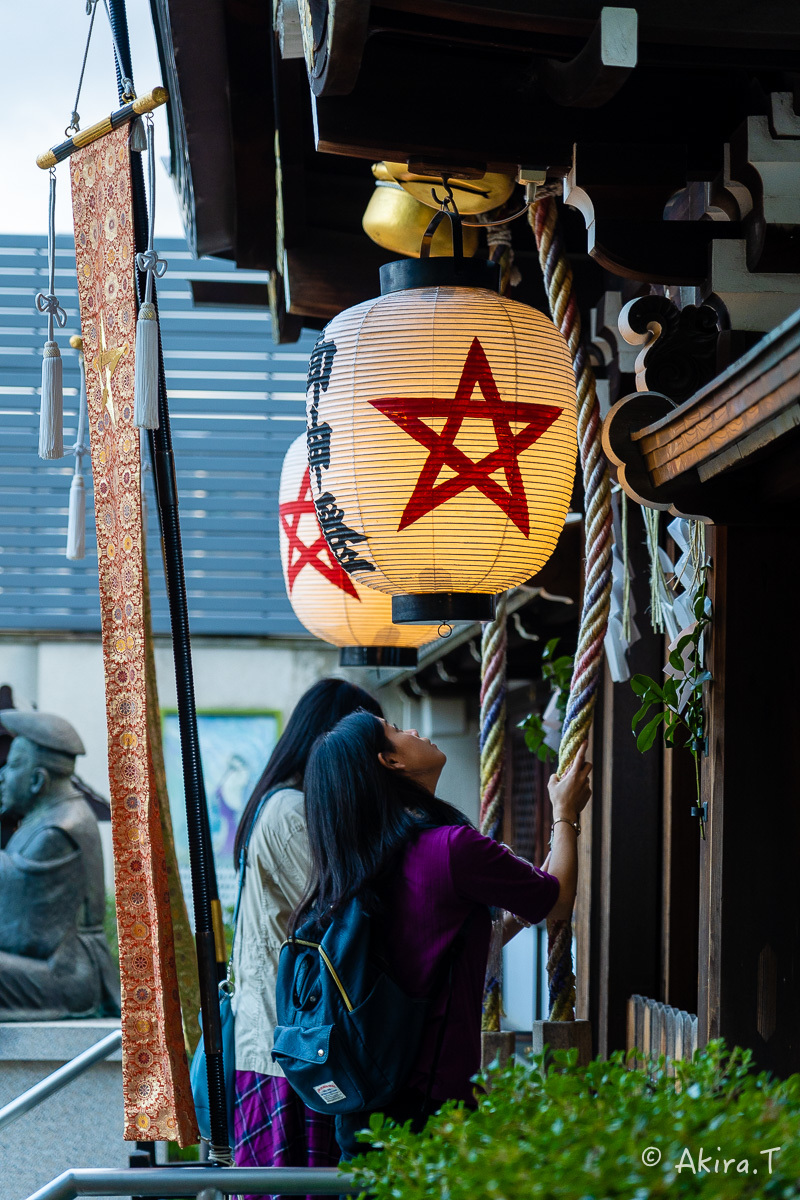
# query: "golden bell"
{"type": "Point", "coordinates": [396, 221]}
{"type": "Point", "coordinates": [479, 195]}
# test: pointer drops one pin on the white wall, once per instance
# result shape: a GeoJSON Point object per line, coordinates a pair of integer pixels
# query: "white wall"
{"type": "Point", "coordinates": [446, 721]}
{"type": "Point", "coordinates": [66, 677]}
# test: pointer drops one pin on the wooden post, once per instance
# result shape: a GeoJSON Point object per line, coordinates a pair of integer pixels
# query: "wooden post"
{"type": "Point", "coordinates": [496, 1045]}
{"type": "Point", "coordinates": [680, 858]}
{"type": "Point", "coordinates": [563, 1035]}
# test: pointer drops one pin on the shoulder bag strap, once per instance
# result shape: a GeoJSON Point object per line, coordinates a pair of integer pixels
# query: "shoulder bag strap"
{"type": "Point", "coordinates": [243, 870]}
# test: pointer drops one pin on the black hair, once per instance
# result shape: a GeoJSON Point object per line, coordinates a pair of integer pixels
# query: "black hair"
{"type": "Point", "coordinates": [360, 815]}
{"type": "Point", "coordinates": [317, 710]}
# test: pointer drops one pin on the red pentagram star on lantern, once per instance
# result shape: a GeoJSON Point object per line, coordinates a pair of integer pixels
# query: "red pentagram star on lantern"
{"type": "Point", "coordinates": [317, 555]}
{"type": "Point", "coordinates": [407, 412]}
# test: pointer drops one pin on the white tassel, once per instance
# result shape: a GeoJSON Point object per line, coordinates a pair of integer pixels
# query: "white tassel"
{"type": "Point", "coordinates": [145, 394]}
{"type": "Point", "coordinates": [76, 529]}
{"type": "Point", "coordinates": [51, 413]}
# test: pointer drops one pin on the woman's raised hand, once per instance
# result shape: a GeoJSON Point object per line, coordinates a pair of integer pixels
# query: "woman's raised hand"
{"type": "Point", "coordinates": [571, 793]}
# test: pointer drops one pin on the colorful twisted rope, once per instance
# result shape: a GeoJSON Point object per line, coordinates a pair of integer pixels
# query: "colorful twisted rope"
{"type": "Point", "coordinates": [598, 533]}
{"type": "Point", "coordinates": [492, 743]}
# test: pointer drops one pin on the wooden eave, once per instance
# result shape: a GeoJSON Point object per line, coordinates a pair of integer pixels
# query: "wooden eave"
{"type": "Point", "coordinates": [191, 40]}
{"type": "Point", "coordinates": [729, 453]}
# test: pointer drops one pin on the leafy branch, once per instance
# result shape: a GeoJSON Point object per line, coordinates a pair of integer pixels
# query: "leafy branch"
{"type": "Point", "coordinates": [557, 671]}
{"type": "Point", "coordinates": [681, 717]}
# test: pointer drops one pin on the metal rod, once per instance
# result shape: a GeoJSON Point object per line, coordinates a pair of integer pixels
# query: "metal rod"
{"type": "Point", "coordinates": [190, 1181]}
{"type": "Point", "coordinates": [60, 1078]}
{"type": "Point", "coordinates": [85, 137]}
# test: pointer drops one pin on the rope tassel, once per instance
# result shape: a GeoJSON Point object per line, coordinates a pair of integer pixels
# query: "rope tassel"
{"type": "Point", "coordinates": [76, 525]}
{"type": "Point", "coordinates": [145, 394]}
{"type": "Point", "coordinates": [76, 529]}
{"type": "Point", "coordinates": [51, 412]}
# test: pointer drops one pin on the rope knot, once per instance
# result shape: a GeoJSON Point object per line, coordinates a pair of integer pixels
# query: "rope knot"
{"type": "Point", "coordinates": [148, 260]}
{"type": "Point", "coordinates": [48, 303]}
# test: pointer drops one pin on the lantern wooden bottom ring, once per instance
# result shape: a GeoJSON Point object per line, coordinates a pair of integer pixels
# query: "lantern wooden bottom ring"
{"type": "Point", "coordinates": [430, 608]}
{"type": "Point", "coordinates": [378, 656]}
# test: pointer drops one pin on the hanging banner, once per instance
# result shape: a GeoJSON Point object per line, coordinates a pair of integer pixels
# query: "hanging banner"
{"type": "Point", "coordinates": [158, 1104]}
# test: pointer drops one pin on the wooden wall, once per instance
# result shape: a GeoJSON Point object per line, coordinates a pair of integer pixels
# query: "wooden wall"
{"type": "Point", "coordinates": [749, 947]}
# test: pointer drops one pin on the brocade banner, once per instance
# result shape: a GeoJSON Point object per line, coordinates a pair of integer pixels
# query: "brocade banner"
{"type": "Point", "coordinates": [158, 1103]}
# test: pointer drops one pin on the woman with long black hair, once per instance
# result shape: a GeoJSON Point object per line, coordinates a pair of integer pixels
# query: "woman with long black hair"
{"type": "Point", "coordinates": [376, 829]}
{"type": "Point", "coordinates": [272, 1125]}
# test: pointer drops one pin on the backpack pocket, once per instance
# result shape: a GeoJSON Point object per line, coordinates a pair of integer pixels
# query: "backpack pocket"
{"type": "Point", "coordinates": [312, 1061]}
{"type": "Point", "coordinates": [387, 1029]}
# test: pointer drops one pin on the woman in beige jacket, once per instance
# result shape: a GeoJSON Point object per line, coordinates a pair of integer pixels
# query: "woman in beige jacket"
{"type": "Point", "coordinates": [272, 1125]}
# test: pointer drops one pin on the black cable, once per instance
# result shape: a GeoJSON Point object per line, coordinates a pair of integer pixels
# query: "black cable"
{"type": "Point", "coordinates": [204, 881]}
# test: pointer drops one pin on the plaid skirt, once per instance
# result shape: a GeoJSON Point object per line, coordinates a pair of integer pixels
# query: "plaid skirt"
{"type": "Point", "coordinates": [273, 1128]}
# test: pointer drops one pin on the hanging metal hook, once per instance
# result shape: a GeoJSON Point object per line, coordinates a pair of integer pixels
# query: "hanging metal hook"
{"type": "Point", "coordinates": [450, 198]}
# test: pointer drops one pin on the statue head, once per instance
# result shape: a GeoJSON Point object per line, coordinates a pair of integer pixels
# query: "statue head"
{"type": "Point", "coordinates": [42, 754]}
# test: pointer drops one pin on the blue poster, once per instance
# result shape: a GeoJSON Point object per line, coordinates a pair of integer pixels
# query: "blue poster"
{"type": "Point", "coordinates": [234, 748]}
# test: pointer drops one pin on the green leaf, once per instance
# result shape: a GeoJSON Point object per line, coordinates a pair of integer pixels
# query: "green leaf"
{"type": "Point", "coordinates": [701, 605]}
{"type": "Point", "coordinates": [676, 661]}
{"type": "Point", "coordinates": [549, 649]}
{"type": "Point", "coordinates": [648, 704]}
{"type": "Point", "coordinates": [533, 740]}
{"type": "Point", "coordinates": [642, 684]}
{"type": "Point", "coordinates": [670, 691]}
{"type": "Point", "coordinates": [648, 735]}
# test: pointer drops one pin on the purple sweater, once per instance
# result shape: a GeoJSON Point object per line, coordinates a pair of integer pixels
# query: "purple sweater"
{"type": "Point", "coordinates": [448, 878]}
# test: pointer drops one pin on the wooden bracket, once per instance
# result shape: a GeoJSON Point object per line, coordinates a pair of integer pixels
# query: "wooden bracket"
{"type": "Point", "coordinates": [679, 352]}
{"type": "Point", "coordinates": [628, 417]}
{"type": "Point", "coordinates": [599, 71]}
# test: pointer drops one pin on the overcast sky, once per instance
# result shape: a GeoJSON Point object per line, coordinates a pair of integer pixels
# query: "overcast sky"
{"type": "Point", "coordinates": [41, 50]}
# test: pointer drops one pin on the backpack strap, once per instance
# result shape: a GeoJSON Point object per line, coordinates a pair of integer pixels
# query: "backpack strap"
{"type": "Point", "coordinates": [243, 872]}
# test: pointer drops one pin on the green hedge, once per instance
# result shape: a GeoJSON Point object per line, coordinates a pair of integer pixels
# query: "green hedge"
{"type": "Point", "coordinates": [590, 1133]}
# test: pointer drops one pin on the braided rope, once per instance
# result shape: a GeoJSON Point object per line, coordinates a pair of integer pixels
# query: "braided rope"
{"type": "Point", "coordinates": [492, 744]}
{"type": "Point", "coordinates": [558, 280]}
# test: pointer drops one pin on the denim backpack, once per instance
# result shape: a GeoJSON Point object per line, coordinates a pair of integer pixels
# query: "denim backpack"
{"type": "Point", "coordinates": [347, 1034]}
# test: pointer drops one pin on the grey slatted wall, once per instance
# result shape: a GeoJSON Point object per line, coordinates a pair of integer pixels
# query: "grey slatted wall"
{"type": "Point", "coordinates": [236, 402]}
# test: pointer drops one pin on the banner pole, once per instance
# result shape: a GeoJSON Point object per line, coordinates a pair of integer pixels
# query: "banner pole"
{"type": "Point", "coordinates": [209, 931]}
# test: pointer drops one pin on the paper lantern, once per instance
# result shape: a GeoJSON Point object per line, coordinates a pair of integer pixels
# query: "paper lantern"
{"type": "Point", "coordinates": [442, 439]}
{"type": "Point", "coordinates": [325, 598]}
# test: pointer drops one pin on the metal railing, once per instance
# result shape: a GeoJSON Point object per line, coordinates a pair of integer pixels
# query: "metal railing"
{"type": "Point", "coordinates": [60, 1078]}
{"type": "Point", "coordinates": [191, 1181]}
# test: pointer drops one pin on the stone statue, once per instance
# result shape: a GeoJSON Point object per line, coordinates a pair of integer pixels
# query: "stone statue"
{"type": "Point", "coordinates": [54, 958]}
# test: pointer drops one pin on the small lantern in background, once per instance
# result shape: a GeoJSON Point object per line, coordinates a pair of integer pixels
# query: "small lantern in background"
{"type": "Point", "coordinates": [325, 599]}
{"type": "Point", "coordinates": [441, 423]}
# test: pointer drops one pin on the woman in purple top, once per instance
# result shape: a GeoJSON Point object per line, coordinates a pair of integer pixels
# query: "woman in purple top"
{"type": "Point", "coordinates": [377, 829]}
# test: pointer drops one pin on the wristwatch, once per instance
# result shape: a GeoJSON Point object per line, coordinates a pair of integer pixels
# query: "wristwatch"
{"type": "Point", "coordinates": [576, 825]}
